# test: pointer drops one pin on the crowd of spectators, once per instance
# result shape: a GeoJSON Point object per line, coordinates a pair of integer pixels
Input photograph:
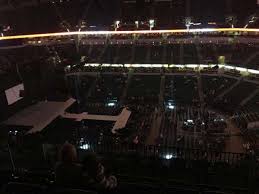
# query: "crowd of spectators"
{"type": "Point", "coordinates": [176, 88]}
{"type": "Point", "coordinates": [214, 86]}
{"type": "Point", "coordinates": [139, 124]}
{"type": "Point", "coordinates": [90, 173]}
{"type": "Point", "coordinates": [144, 89]}
{"type": "Point", "coordinates": [192, 127]}
{"type": "Point", "coordinates": [141, 88]}
{"type": "Point", "coordinates": [108, 87]}
{"type": "Point", "coordinates": [233, 99]}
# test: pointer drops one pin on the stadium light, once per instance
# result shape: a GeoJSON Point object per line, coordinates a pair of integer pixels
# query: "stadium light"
{"type": "Point", "coordinates": [81, 25]}
{"type": "Point", "coordinates": [117, 25]}
{"type": "Point", "coordinates": [252, 19]}
{"type": "Point", "coordinates": [151, 24]}
{"type": "Point", "coordinates": [137, 24]}
{"type": "Point", "coordinates": [188, 22]}
{"type": "Point", "coordinates": [231, 20]}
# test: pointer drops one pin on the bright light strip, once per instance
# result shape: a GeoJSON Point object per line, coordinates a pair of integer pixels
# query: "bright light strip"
{"type": "Point", "coordinates": [240, 69]}
{"type": "Point", "coordinates": [253, 71]}
{"type": "Point", "coordinates": [181, 66]}
{"type": "Point", "coordinates": [168, 156]}
{"type": "Point", "coordinates": [129, 32]}
{"type": "Point", "coordinates": [116, 65]}
{"type": "Point", "coordinates": [171, 107]}
{"type": "Point", "coordinates": [111, 104]}
{"type": "Point", "coordinates": [92, 65]}
{"type": "Point", "coordinates": [127, 65]}
{"type": "Point", "coordinates": [229, 67]}
{"type": "Point", "coordinates": [157, 65]}
{"type": "Point", "coordinates": [192, 66]}
{"type": "Point", "coordinates": [85, 146]}
{"type": "Point", "coordinates": [106, 65]}
{"type": "Point", "coordinates": [204, 66]}
{"type": "Point", "coordinates": [142, 65]}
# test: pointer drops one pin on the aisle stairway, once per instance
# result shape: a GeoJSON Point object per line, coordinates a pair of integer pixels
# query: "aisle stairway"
{"type": "Point", "coordinates": [229, 89]}
{"type": "Point", "coordinates": [200, 89]}
{"type": "Point", "coordinates": [198, 49]}
{"type": "Point", "coordinates": [246, 100]}
{"type": "Point", "coordinates": [162, 90]}
{"type": "Point", "coordinates": [125, 91]}
{"type": "Point", "coordinates": [92, 88]}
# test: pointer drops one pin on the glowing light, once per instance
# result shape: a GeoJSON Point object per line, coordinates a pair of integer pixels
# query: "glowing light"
{"type": "Point", "coordinates": [116, 65]}
{"type": "Point", "coordinates": [85, 146]}
{"type": "Point", "coordinates": [191, 66]}
{"type": "Point", "coordinates": [106, 65]}
{"type": "Point", "coordinates": [129, 32]}
{"type": "Point", "coordinates": [157, 65]}
{"type": "Point", "coordinates": [171, 107]}
{"type": "Point", "coordinates": [142, 65]}
{"type": "Point", "coordinates": [137, 24]}
{"type": "Point", "coordinates": [204, 66]}
{"type": "Point", "coordinates": [117, 23]}
{"type": "Point", "coordinates": [180, 66]}
{"type": "Point", "coordinates": [93, 64]}
{"type": "Point", "coordinates": [111, 104]}
{"type": "Point", "coordinates": [189, 121]}
{"type": "Point", "coordinates": [151, 24]}
{"type": "Point", "coordinates": [229, 67]}
{"type": "Point", "coordinates": [169, 156]}
{"type": "Point", "coordinates": [253, 71]}
{"type": "Point", "coordinates": [240, 69]}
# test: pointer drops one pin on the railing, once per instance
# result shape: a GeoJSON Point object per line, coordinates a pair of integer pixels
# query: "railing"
{"type": "Point", "coordinates": [189, 159]}
{"type": "Point", "coordinates": [166, 152]}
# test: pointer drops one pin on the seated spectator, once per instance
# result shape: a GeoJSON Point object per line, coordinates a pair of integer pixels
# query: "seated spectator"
{"type": "Point", "coordinates": [94, 173]}
{"type": "Point", "coordinates": [68, 171]}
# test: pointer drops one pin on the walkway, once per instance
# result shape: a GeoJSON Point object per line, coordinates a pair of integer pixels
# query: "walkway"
{"type": "Point", "coordinates": [39, 115]}
{"type": "Point", "coordinates": [120, 120]}
{"type": "Point", "coordinates": [235, 142]}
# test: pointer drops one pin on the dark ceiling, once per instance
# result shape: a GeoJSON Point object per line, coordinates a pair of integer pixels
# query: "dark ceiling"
{"type": "Point", "coordinates": [35, 16]}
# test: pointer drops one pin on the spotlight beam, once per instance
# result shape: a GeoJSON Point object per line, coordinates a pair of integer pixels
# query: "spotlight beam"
{"type": "Point", "coordinates": [28, 36]}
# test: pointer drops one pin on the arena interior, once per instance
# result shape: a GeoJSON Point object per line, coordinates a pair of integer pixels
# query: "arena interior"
{"type": "Point", "coordinates": [163, 94]}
